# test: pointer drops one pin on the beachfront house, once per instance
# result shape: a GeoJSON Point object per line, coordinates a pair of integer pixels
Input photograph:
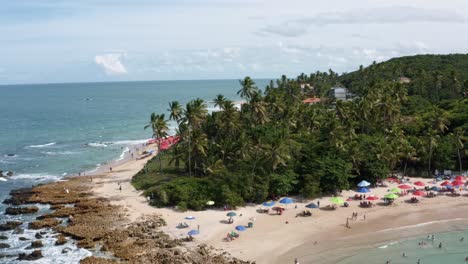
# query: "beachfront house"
{"type": "Point", "coordinates": [311, 100]}
{"type": "Point", "coordinates": [340, 93]}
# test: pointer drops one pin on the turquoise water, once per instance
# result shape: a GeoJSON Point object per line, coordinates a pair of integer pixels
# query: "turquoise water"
{"type": "Point", "coordinates": [52, 130]}
{"type": "Point", "coordinates": [453, 251]}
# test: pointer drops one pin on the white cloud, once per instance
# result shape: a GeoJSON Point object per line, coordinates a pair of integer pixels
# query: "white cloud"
{"type": "Point", "coordinates": [111, 63]}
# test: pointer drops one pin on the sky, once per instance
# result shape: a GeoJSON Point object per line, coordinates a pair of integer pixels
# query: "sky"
{"type": "Point", "coordinates": [49, 41]}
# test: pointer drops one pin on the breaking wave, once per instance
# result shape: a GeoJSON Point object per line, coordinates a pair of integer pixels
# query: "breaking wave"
{"type": "Point", "coordinates": [42, 146]}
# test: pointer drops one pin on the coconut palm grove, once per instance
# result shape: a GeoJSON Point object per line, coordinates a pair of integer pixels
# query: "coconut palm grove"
{"type": "Point", "coordinates": [406, 115]}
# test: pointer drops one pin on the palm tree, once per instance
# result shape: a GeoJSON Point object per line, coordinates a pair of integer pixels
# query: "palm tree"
{"type": "Point", "coordinates": [459, 137]}
{"type": "Point", "coordinates": [219, 100]}
{"type": "Point", "coordinates": [432, 137]}
{"type": "Point", "coordinates": [248, 88]}
{"type": "Point", "coordinates": [175, 111]}
{"type": "Point", "coordinates": [160, 128]}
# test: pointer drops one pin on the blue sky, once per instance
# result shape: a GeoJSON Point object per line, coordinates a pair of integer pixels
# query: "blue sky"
{"type": "Point", "coordinates": [46, 41]}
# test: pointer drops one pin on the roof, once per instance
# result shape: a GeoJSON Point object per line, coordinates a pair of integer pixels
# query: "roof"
{"type": "Point", "coordinates": [311, 100]}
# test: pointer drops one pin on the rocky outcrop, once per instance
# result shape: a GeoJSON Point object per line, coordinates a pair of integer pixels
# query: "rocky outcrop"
{"type": "Point", "coordinates": [61, 240]}
{"type": "Point", "coordinates": [3, 237]}
{"type": "Point", "coordinates": [21, 210]}
{"type": "Point", "coordinates": [10, 225]}
{"type": "Point", "coordinates": [4, 245]}
{"type": "Point", "coordinates": [38, 235]}
{"type": "Point", "coordinates": [23, 238]}
{"type": "Point", "coordinates": [35, 255]}
{"type": "Point", "coordinates": [48, 222]}
{"type": "Point", "coordinates": [35, 244]}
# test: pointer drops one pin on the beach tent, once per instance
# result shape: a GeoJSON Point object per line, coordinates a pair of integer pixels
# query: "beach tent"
{"type": "Point", "coordinates": [312, 206]}
{"type": "Point", "coordinates": [363, 190]}
{"type": "Point", "coordinates": [372, 198]}
{"type": "Point", "coordinates": [395, 190]}
{"type": "Point", "coordinates": [231, 214]}
{"type": "Point", "coordinates": [391, 196]}
{"type": "Point", "coordinates": [190, 217]}
{"type": "Point", "coordinates": [269, 203]}
{"type": "Point", "coordinates": [193, 232]}
{"type": "Point", "coordinates": [336, 200]}
{"type": "Point", "coordinates": [419, 193]}
{"type": "Point", "coordinates": [240, 228]}
{"type": "Point", "coordinates": [363, 184]}
{"type": "Point", "coordinates": [286, 200]}
{"type": "Point", "coordinates": [419, 183]}
{"type": "Point", "coordinates": [405, 187]}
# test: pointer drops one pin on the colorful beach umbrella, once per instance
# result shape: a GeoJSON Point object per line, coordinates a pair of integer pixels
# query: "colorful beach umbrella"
{"type": "Point", "coordinates": [231, 214]}
{"type": "Point", "coordinates": [392, 179]}
{"type": "Point", "coordinates": [391, 196]}
{"type": "Point", "coordinates": [395, 190]}
{"type": "Point", "coordinates": [435, 188]}
{"type": "Point", "coordinates": [445, 183]}
{"type": "Point", "coordinates": [363, 190]}
{"type": "Point", "coordinates": [193, 232]}
{"type": "Point", "coordinates": [240, 228]}
{"type": "Point", "coordinates": [405, 187]}
{"type": "Point", "coordinates": [269, 203]}
{"type": "Point", "coordinates": [286, 200]}
{"type": "Point", "coordinates": [190, 217]}
{"type": "Point", "coordinates": [363, 184]}
{"type": "Point", "coordinates": [419, 193]}
{"type": "Point", "coordinates": [457, 183]}
{"type": "Point", "coordinates": [419, 183]}
{"type": "Point", "coordinates": [336, 200]}
{"type": "Point", "coordinates": [459, 178]}
{"type": "Point", "coordinates": [372, 198]}
{"type": "Point", "coordinates": [210, 203]}
{"type": "Point", "coordinates": [312, 206]}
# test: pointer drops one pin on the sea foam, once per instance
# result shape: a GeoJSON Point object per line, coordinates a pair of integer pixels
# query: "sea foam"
{"type": "Point", "coordinates": [42, 146]}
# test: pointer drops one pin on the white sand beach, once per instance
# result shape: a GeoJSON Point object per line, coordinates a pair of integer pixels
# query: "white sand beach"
{"type": "Point", "coordinates": [309, 239]}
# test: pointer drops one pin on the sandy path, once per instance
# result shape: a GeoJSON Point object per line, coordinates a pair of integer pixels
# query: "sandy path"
{"type": "Point", "coordinates": [272, 240]}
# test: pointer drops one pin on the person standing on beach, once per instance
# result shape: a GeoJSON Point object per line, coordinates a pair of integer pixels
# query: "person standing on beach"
{"type": "Point", "coordinates": [318, 204]}
{"type": "Point", "coordinates": [296, 261]}
{"type": "Point", "coordinates": [110, 169]}
{"type": "Point", "coordinates": [347, 222]}
{"type": "Point", "coordinates": [120, 188]}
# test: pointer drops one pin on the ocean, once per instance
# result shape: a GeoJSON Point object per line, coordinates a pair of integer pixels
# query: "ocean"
{"type": "Point", "coordinates": [49, 131]}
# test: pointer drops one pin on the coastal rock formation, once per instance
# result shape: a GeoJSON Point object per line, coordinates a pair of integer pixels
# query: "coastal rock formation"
{"type": "Point", "coordinates": [35, 255]}
{"type": "Point", "coordinates": [4, 245]}
{"type": "Point", "coordinates": [38, 236]}
{"type": "Point", "coordinates": [10, 225]}
{"type": "Point", "coordinates": [3, 237]}
{"type": "Point", "coordinates": [61, 240]}
{"type": "Point", "coordinates": [23, 238]}
{"type": "Point", "coordinates": [35, 244]}
{"type": "Point", "coordinates": [48, 222]}
{"type": "Point", "coordinates": [21, 210]}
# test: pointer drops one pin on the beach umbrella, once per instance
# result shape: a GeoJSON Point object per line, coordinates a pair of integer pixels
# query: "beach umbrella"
{"type": "Point", "coordinates": [312, 206]}
{"type": "Point", "coordinates": [372, 198]}
{"type": "Point", "coordinates": [457, 183]}
{"type": "Point", "coordinates": [210, 203]}
{"type": "Point", "coordinates": [419, 183]}
{"type": "Point", "coordinates": [445, 183]}
{"type": "Point", "coordinates": [231, 214]}
{"type": "Point", "coordinates": [459, 178]}
{"type": "Point", "coordinates": [336, 200]}
{"type": "Point", "coordinates": [269, 203]}
{"type": "Point", "coordinates": [193, 232]}
{"type": "Point", "coordinates": [363, 190]}
{"type": "Point", "coordinates": [392, 179]}
{"type": "Point", "coordinates": [190, 217]}
{"type": "Point", "coordinates": [405, 187]}
{"type": "Point", "coordinates": [363, 184]}
{"type": "Point", "coordinates": [435, 188]}
{"type": "Point", "coordinates": [419, 193]}
{"type": "Point", "coordinates": [286, 200]}
{"type": "Point", "coordinates": [240, 228]}
{"type": "Point", "coordinates": [391, 196]}
{"type": "Point", "coordinates": [395, 190]}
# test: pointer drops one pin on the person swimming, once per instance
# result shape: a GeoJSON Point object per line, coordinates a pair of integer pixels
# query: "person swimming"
{"type": "Point", "coordinates": [440, 245]}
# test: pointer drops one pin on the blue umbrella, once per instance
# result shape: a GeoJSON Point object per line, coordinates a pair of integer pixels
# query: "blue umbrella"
{"type": "Point", "coordinates": [193, 232]}
{"type": "Point", "coordinates": [240, 228]}
{"type": "Point", "coordinates": [311, 205]}
{"type": "Point", "coordinates": [286, 200]}
{"type": "Point", "coordinates": [435, 188]}
{"type": "Point", "coordinates": [363, 184]}
{"type": "Point", "coordinates": [190, 217]}
{"type": "Point", "coordinates": [363, 190]}
{"type": "Point", "coordinates": [269, 204]}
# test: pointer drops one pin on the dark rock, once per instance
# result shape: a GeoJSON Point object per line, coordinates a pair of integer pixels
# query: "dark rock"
{"type": "Point", "coordinates": [42, 232]}
{"type": "Point", "coordinates": [4, 245]}
{"type": "Point", "coordinates": [38, 236]}
{"type": "Point", "coordinates": [35, 255]}
{"type": "Point", "coordinates": [10, 173]}
{"type": "Point", "coordinates": [60, 240]}
{"type": "Point", "coordinates": [18, 231]}
{"type": "Point", "coordinates": [66, 250]}
{"type": "Point", "coordinates": [49, 222]}
{"type": "Point", "coordinates": [23, 238]}
{"type": "Point", "coordinates": [21, 210]}
{"type": "Point", "coordinates": [7, 256]}
{"type": "Point", "coordinates": [2, 237]}
{"type": "Point", "coordinates": [35, 244]}
{"type": "Point", "coordinates": [10, 225]}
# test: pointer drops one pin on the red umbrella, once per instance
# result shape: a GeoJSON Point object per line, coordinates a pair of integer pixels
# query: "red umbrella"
{"type": "Point", "coordinates": [459, 178]}
{"type": "Point", "coordinates": [457, 183]}
{"type": "Point", "coordinates": [372, 198]}
{"type": "Point", "coordinates": [419, 193]}
{"type": "Point", "coordinates": [445, 183]}
{"type": "Point", "coordinates": [392, 179]}
{"type": "Point", "coordinates": [419, 183]}
{"type": "Point", "coordinates": [405, 187]}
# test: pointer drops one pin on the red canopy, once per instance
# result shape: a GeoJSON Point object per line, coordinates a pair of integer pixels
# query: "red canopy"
{"type": "Point", "coordinates": [459, 178]}
{"type": "Point", "coordinates": [457, 183]}
{"type": "Point", "coordinates": [419, 193]}
{"type": "Point", "coordinates": [445, 183]}
{"type": "Point", "coordinates": [405, 187]}
{"type": "Point", "coordinates": [372, 198]}
{"type": "Point", "coordinates": [419, 183]}
{"type": "Point", "coordinates": [392, 179]}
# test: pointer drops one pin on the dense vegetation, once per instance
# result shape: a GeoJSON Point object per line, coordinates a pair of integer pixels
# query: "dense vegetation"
{"type": "Point", "coordinates": [276, 145]}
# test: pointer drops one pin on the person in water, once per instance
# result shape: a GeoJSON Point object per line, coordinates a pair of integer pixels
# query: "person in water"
{"type": "Point", "coordinates": [440, 245]}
